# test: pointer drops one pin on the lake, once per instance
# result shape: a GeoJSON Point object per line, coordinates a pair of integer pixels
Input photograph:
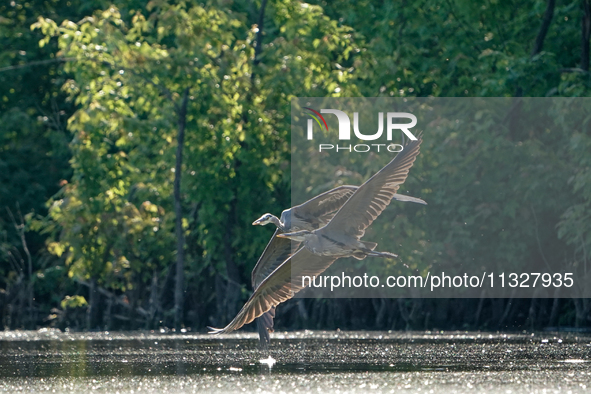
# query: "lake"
{"type": "Point", "coordinates": [300, 362]}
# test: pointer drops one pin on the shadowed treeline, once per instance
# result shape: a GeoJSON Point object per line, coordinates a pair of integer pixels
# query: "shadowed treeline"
{"type": "Point", "coordinates": [106, 224]}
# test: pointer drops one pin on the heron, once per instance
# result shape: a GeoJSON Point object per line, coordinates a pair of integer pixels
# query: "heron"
{"type": "Point", "coordinates": [340, 237]}
{"type": "Point", "coordinates": [310, 215]}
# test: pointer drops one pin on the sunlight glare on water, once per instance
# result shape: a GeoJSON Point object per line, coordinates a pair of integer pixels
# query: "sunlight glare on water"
{"type": "Point", "coordinates": [323, 361]}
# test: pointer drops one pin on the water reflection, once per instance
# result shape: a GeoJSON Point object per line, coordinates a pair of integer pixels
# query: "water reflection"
{"type": "Point", "coordinates": [69, 362]}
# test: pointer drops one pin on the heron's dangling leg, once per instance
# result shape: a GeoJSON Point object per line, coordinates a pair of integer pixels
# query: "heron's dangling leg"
{"type": "Point", "coordinates": [382, 254]}
{"type": "Point", "coordinates": [264, 337]}
{"type": "Point", "coordinates": [265, 326]}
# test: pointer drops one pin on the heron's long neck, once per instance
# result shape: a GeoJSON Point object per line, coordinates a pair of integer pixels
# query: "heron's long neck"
{"type": "Point", "coordinates": [276, 221]}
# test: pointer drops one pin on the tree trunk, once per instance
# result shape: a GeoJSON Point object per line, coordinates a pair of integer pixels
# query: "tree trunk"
{"type": "Point", "coordinates": [152, 320]}
{"type": "Point", "coordinates": [259, 40]}
{"type": "Point", "coordinates": [582, 307]}
{"type": "Point", "coordinates": [220, 292]}
{"type": "Point", "coordinates": [92, 305]}
{"type": "Point", "coordinates": [180, 239]}
{"type": "Point", "coordinates": [585, 33]}
{"type": "Point", "coordinates": [507, 311]}
{"type": "Point", "coordinates": [578, 312]}
{"type": "Point", "coordinates": [232, 296]}
{"type": "Point", "coordinates": [380, 309]}
{"type": "Point", "coordinates": [108, 315]}
{"type": "Point", "coordinates": [404, 313]}
{"type": "Point", "coordinates": [28, 295]}
{"type": "Point", "coordinates": [553, 321]}
{"type": "Point", "coordinates": [539, 43]}
{"type": "Point", "coordinates": [532, 316]}
{"type": "Point", "coordinates": [479, 309]}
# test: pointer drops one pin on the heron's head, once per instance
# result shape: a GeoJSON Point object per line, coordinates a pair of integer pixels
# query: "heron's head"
{"type": "Point", "coordinates": [299, 236]}
{"type": "Point", "coordinates": [265, 219]}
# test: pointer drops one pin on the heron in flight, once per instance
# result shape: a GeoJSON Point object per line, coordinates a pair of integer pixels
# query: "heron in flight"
{"type": "Point", "coordinates": [340, 237]}
{"type": "Point", "coordinates": [310, 215]}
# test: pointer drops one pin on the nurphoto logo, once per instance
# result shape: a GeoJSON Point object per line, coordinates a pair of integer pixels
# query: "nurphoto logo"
{"type": "Point", "coordinates": [345, 129]}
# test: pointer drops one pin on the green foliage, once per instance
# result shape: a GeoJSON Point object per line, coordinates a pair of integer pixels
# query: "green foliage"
{"type": "Point", "coordinates": [73, 302]}
{"type": "Point", "coordinates": [88, 135]}
{"type": "Point", "coordinates": [113, 220]}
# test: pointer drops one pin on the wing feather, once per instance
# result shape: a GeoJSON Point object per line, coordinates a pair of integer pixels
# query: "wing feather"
{"type": "Point", "coordinates": [323, 204]}
{"type": "Point", "coordinates": [277, 251]}
{"type": "Point", "coordinates": [317, 211]}
{"type": "Point", "coordinates": [370, 200]}
{"type": "Point", "coordinates": [278, 287]}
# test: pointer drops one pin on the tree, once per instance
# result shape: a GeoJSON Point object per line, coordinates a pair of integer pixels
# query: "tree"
{"type": "Point", "coordinates": [132, 85]}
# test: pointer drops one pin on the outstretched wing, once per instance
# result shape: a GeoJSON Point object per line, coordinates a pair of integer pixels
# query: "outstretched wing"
{"type": "Point", "coordinates": [368, 202]}
{"type": "Point", "coordinates": [323, 204]}
{"type": "Point", "coordinates": [277, 251]}
{"type": "Point", "coordinates": [313, 212]}
{"type": "Point", "coordinates": [278, 287]}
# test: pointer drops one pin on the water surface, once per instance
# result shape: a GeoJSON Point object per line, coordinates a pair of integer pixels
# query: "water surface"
{"type": "Point", "coordinates": [304, 361]}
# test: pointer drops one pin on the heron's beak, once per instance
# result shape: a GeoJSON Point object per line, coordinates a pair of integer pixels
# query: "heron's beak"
{"type": "Point", "coordinates": [295, 236]}
{"type": "Point", "coordinates": [256, 222]}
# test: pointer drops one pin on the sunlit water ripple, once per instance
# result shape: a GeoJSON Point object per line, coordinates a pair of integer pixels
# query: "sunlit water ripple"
{"type": "Point", "coordinates": [302, 361]}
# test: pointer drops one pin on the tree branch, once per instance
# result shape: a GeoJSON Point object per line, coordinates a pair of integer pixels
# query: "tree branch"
{"type": "Point", "coordinates": [573, 70]}
{"type": "Point", "coordinates": [38, 63]}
